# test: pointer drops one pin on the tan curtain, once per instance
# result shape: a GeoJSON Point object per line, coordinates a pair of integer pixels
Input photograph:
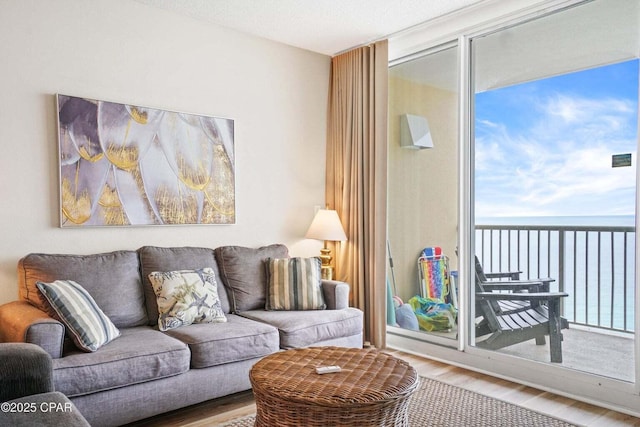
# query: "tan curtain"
{"type": "Point", "coordinates": [357, 177]}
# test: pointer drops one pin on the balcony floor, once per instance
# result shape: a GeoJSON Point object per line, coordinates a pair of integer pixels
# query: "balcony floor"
{"type": "Point", "coordinates": [588, 351]}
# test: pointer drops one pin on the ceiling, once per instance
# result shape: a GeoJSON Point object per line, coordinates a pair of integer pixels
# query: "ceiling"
{"type": "Point", "coordinates": [323, 26]}
{"type": "Point", "coordinates": [591, 35]}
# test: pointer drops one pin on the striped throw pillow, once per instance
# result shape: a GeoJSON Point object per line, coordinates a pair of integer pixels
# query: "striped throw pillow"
{"type": "Point", "coordinates": [87, 325]}
{"type": "Point", "coordinates": [294, 284]}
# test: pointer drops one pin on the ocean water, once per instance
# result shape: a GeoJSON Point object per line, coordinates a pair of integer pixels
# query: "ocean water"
{"type": "Point", "coordinates": [598, 264]}
{"type": "Point", "coordinates": [603, 220]}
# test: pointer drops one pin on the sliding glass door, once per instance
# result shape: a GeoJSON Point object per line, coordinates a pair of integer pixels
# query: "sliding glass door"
{"type": "Point", "coordinates": [422, 196]}
{"type": "Point", "coordinates": [555, 133]}
{"type": "Point", "coordinates": [532, 119]}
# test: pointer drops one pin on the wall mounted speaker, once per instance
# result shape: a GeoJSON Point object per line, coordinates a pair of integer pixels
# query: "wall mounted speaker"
{"type": "Point", "coordinates": [414, 132]}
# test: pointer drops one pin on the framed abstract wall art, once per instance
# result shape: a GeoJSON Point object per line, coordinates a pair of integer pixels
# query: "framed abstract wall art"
{"type": "Point", "coordinates": [126, 165]}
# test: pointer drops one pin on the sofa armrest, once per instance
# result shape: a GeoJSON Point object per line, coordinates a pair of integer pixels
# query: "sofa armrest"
{"type": "Point", "coordinates": [22, 322]}
{"type": "Point", "coordinates": [336, 294]}
{"type": "Point", "coordinates": [25, 369]}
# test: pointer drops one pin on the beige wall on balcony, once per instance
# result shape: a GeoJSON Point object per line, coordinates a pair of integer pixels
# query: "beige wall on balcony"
{"type": "Point", "coordinates": [422, 183]}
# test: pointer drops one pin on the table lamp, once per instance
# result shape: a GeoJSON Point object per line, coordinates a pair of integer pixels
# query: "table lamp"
{"type": "Point", "coordinates": [326, 226]}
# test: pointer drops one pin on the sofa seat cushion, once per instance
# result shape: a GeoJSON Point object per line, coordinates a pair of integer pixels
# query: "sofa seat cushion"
{"type": "Point", "coordinates": [305, 328]}
{"type": "Point", "coordinates": [218, 343]}
{"type": "Point", "coordinates": [140, 354]}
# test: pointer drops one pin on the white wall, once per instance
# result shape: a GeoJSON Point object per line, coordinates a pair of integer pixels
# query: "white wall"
{"type": "Point", "coordinates": [124, 51]}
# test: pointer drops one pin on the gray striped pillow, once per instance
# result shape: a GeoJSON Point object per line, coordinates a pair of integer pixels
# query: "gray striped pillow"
{"type": "Point", "coordinates": [87, 325]}
{"type": "Point", "coordinates": [294, 284]}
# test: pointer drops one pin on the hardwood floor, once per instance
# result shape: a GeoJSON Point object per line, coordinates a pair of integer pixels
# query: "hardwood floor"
{"type": "Point", "coordinates": [541, 401]}
{"type": "Point", "coordinates": [222, 410]}
{"type": "Point", "coordinates": [207, 414]}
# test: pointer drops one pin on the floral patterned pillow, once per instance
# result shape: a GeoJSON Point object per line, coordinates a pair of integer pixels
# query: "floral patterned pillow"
{"type": "Point", "coordinates": [185, 297]}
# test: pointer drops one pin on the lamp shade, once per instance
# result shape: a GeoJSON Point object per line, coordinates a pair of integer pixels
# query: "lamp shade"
{"type": "Point", "coordinates": [326, 225]}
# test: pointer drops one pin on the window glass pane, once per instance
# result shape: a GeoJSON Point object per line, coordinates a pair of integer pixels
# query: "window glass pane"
{"type": "Point", "coordinates": [422, 194]}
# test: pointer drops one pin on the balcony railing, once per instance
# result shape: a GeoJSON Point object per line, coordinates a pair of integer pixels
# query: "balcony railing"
{"type": "Point", "coordinates": [593, 264]}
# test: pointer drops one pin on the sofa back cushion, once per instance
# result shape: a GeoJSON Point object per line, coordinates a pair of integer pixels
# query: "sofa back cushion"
{"type": "Point", "coordinates": [244, 273]}
{"type": "Point", "coordinates": [112, 279]}
{"type": "Point", "coordinates": [153, 258]}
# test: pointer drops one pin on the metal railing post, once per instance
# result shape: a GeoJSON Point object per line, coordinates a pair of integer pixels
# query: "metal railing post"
{"type": "Point", "coordinates": [561, 251]}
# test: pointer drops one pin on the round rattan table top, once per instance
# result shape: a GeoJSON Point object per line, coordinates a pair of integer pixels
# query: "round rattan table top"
{"type": "Point", "coordinates": [367, 376]}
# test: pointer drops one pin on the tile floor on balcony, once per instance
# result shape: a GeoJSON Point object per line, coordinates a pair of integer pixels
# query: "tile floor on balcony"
{"type": "Point", "coordinates": [597, 352]}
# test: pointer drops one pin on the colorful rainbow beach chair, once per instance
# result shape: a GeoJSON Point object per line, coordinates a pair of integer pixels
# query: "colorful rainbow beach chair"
{"type": "Point", "coordinates": [436, 306]}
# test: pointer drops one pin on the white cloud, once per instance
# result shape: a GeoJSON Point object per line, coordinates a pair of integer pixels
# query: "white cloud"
{"type": "Point", "coordinates": [581, 110]}
{"type": "Point", "coordinates": [560, 164]}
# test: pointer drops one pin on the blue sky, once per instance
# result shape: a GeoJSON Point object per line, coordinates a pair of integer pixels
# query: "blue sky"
{"type": "Point", "coordinates": [544, 148]}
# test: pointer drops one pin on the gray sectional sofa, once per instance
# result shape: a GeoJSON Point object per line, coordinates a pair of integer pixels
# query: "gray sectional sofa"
{"type": "Point", "coordinates": [146, 372]}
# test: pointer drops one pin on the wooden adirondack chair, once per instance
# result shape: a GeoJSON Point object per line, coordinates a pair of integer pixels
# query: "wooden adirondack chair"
{"type": "Point", "coordinates": [510, 277]}
{"type": "Point", "coordinates": [509, 281]}
{"type": "Point", "coordinates": [542, 317]}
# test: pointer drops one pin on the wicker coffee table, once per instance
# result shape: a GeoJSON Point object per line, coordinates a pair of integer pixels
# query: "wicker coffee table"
{"type": "Point", "coordinates": [372, 389]}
